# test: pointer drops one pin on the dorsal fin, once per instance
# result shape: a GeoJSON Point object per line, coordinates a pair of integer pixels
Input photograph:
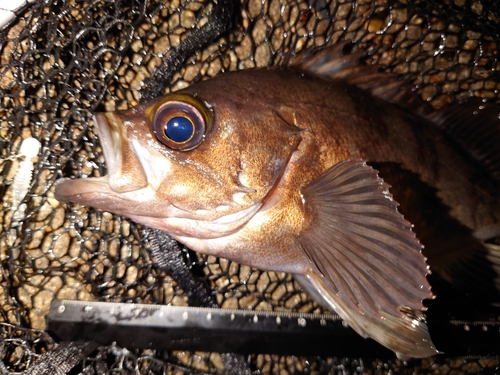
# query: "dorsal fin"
{"type": "Point", "coordinates": [340, 63]}
{"type": "Point", "coordinates": [473, 124]}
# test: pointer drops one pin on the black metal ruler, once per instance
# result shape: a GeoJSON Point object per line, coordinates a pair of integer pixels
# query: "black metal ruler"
{"type": "Point", "coordinates": [240, 331]}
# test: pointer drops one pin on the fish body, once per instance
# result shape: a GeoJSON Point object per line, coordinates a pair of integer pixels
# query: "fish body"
{"type": "Point", "coordinates": [281, 180]}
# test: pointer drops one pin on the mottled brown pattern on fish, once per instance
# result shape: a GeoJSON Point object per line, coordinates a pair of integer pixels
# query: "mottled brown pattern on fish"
{"type": "Point", "coordinates": [346, 123]}
{"type": "Point", "coordinates": [269, 120]}
{"type": "Point", "coordinates": [338, 125]}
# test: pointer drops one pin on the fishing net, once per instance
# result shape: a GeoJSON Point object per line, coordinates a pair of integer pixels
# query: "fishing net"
{"type": "Point", "coordinates": [61, 60]}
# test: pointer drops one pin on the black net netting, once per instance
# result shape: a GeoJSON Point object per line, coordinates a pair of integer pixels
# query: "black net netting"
{"type": "Point", "coordinates": [61, 60]}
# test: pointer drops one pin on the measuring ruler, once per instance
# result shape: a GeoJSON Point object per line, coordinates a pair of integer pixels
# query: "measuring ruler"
{"type": "Point", "coordinates": [242, 331]}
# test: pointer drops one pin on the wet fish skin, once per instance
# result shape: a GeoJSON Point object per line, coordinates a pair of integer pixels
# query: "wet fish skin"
{"type": "Point", "coordinates": [239, 194]}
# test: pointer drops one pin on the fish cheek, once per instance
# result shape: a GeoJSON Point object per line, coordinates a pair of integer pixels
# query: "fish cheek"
{"type": "Point", "coordinates": [196, 187]}
{"type": "Point", "coordinates": [205, 178]}
{"type": "Point", "coordinates": [181, 189]}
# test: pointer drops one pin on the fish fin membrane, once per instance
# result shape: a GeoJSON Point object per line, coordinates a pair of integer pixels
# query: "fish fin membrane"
{"type": "Point", "coordinates": [493, 256]}
{"type": "Point", "coordinates": [341, 62]}
{"type": "Point", "coordinates": [365, 258]}
{"type": "Point", "coordinates": [475, 274]}
{"type": "Point", "coordinates": [408, 336]}
{"type": "Point", "coordinates": [474, 123]}
{"type": "Point", "coordinates": [466, 282]}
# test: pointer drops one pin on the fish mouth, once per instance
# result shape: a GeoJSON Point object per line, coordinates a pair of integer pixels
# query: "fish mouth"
{"type": "Point", "coordinates": [93, 190]}
{"type": "Point", "coordinates": [82, 190]}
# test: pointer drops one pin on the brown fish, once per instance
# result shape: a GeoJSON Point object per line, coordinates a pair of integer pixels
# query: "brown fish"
{"type": "Point", "coordinates": [271, 168]}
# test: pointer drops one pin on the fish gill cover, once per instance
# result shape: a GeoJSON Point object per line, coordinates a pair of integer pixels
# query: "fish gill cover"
{"type": "Point", "coordinates": [62, 60]}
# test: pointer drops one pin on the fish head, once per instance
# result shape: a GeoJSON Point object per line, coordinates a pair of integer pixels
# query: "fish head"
{"type": "Point", "coordinates": [197, 163]}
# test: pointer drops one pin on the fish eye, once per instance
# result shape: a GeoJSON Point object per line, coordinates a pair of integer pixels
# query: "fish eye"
{"type": "Point", "coordinates": [180, 121]}
{"type": "Point", "coordinates": [179, 129]}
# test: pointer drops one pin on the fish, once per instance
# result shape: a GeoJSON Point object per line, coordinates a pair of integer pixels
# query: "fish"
{"type": "Point", "coordinates": [311, 169]}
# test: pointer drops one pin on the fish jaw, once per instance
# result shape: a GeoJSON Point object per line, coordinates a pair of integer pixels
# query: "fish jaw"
{"type": "Point", "coordinates": [126, 182]}
{"type": "Point", "coordinates": [158, 215]}
{"type": "Point", "coordinates": [201, 230]}
{"type": "Point", "coordinates": [96, 192]}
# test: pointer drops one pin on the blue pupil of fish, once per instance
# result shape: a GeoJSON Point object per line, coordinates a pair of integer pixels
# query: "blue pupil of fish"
{"type": "Point", "coordinates": [179, 129]}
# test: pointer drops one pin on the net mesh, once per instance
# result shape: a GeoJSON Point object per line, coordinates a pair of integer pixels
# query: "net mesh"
{"type": "Point", "coordinates": [61, 60]}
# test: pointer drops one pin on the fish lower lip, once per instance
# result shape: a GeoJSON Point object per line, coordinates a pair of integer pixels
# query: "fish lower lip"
{"type": "Point", "coordinates": [79, 190]}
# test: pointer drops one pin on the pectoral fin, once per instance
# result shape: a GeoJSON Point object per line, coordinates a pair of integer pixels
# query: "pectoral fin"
{"type": "Point", "coordinates": [366, 262]}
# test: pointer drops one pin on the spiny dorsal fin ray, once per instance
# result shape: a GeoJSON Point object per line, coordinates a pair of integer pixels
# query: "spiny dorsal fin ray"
{"type": "Point", "coordinates": [494, 257]}
{"type": "Point", "coordinates": [474, 124]}
{"type": "Point", "coordinates": [365, 253]}
{"type": "Point", "coordinates": [340, 63]}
